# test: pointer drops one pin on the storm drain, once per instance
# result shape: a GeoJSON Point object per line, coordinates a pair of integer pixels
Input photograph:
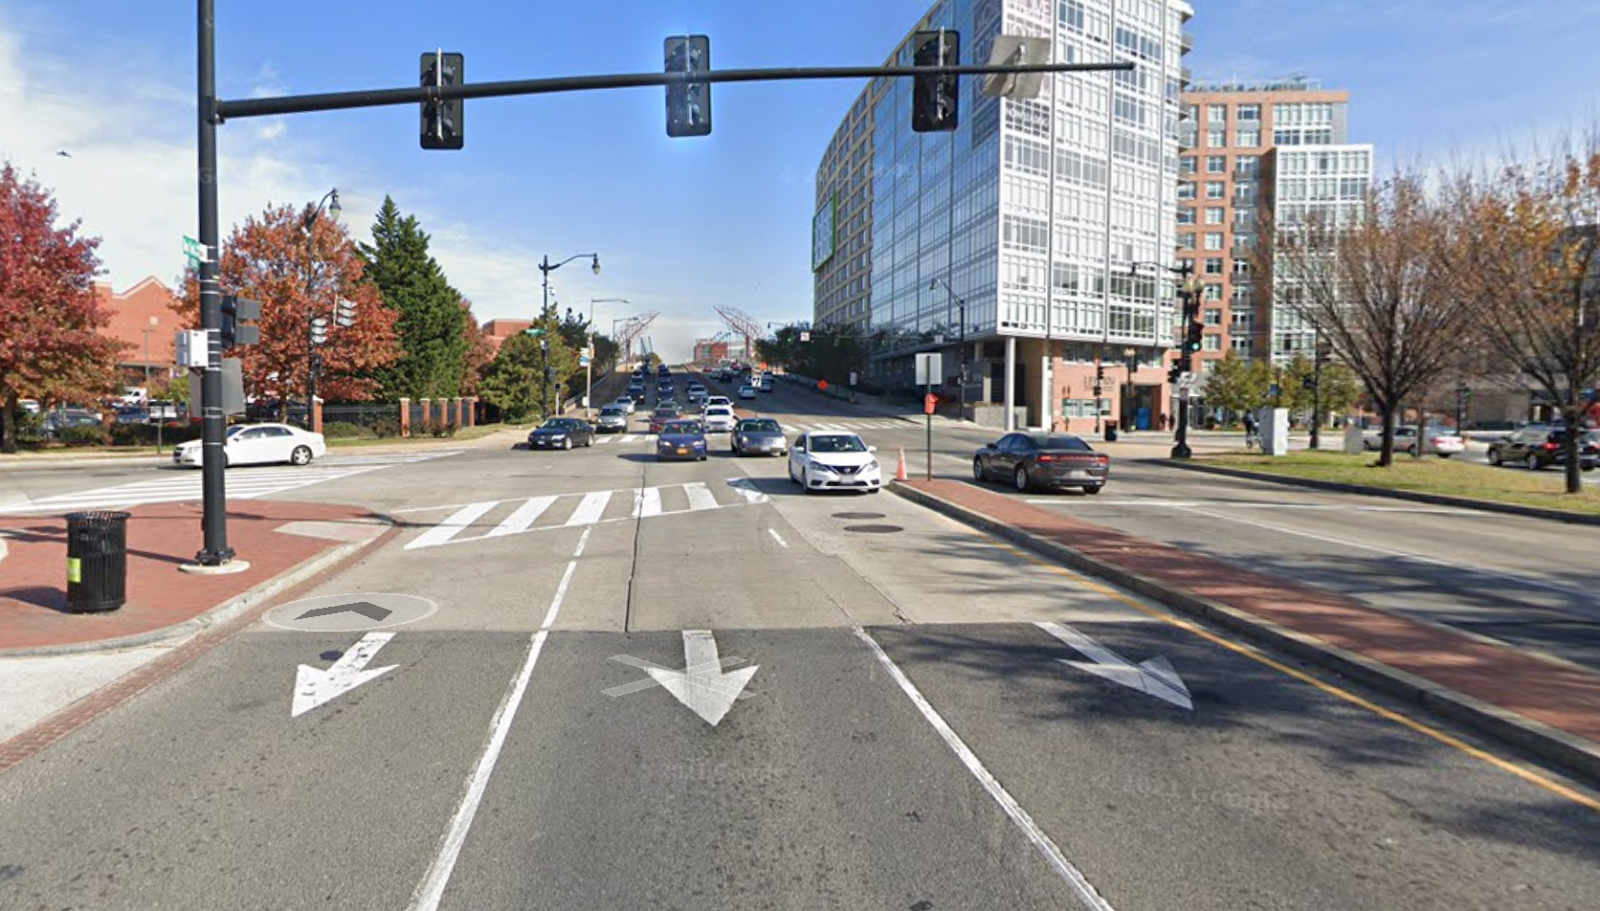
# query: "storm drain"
{"type": "Point", "coordinates": [874, 529]}
{"type": "Point", "coordinates": [858, 515]}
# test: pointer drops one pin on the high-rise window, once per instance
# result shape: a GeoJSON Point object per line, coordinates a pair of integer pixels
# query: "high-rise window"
{"type": "Point", "coordinates": [1213, 316]}
{"type": "Point", "coordinates": [1216, 113]}
{"type": "Point", "coordinates": [1213, 240]}
{"type": "Point", "coordinates": [1213, 215]}
{"type": "Point", "coordinates": [1217, 139]}
{"type": "Point", "coordinates": [1248, 139]}
{"type": "Point", "coordinates": [1215, 189]}
{"type": "Point", "coordinates": [1249, 112]}
{"type": "Point", "coordinates": [1186, 216]}
{"type": "Point", "coordinates": [1213, 265]}
{"type": "Point", "coordinates": [1216, 164]}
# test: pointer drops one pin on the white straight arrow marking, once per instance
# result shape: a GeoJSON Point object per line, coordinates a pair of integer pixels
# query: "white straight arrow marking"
{"type": "Point", "coordinates": [313, 686]}
{"type": "Point", "coordinates": [1155, 676]}
{"type": "Point", "coordinates": [701, 685]}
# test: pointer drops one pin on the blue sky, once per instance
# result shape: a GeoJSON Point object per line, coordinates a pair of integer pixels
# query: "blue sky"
{"type": "Point", "coordinates": [680, 225]}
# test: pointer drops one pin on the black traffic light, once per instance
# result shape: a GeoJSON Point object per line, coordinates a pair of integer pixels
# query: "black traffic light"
{"type": "Point", "coordinates": [688, 103]}
{"type": "Point", "coordinates": [1176, 372]}
{"type": "Point", "coordinates": [934, 104]}
{"type": "Point", "coordinates": [236, 311]}
{"type": "Point", "coordinates": [442, 125]}
{"type": "Point", "coordinates": [1192, 340]}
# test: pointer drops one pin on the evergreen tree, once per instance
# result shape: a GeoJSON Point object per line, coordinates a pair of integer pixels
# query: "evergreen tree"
{"type": "Point", "coordinates": [432, 326]}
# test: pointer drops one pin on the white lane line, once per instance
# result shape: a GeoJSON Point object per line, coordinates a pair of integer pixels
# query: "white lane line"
{"type": "Point", "coordinates": [747, 488]}
{"type": "Point", "coordinates": [1064, 867]}
{"type": "Point", "coordinates": [699, 496]}
{"type": "Point", "coordinates": [777, 537]}
{"type": "Point", "coordinates": [1405, 555]}
{"type": "Point", "coordinates": [452, 526]}
{"type": "Point", "coordinates": [430, 891]}
{"type": "Point", "coordinates": [522, 519]}
{"type": "Point", "coordinates": [647, 503]}
{"type": "Point", "coordinates": [629, 438]}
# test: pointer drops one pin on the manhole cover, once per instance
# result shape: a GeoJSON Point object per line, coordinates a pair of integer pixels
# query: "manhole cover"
{"type": "Point", "coordinates": [858, 515]}
{"type": "Point", "coordinates": [874, 529]}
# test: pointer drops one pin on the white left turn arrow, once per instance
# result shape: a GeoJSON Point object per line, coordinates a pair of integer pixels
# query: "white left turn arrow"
{"type": "Point", "coordinates": [1155, 676]}
{"type": "Point", "coordinates": [314, 686]}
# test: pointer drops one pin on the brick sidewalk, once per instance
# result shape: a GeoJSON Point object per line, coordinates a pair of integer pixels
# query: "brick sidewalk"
{"type": "Point", "coordinates": [273, 537]}
{"type": "Point", "coordinates": [1511, 684]}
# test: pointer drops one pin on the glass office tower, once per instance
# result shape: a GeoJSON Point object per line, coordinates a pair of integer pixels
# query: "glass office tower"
{"type": "Point", "coordinates": [1048, 223]}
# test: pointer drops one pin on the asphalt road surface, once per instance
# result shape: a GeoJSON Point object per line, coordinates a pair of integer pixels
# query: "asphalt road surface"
{"type": "Point", "coordinates": [690, 685]}
{"type": "Point", "coordinates": [1520, 580]}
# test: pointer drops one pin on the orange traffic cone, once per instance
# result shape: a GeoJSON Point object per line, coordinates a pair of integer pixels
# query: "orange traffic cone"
{"type": "Point", "coordinates": [900, 473]}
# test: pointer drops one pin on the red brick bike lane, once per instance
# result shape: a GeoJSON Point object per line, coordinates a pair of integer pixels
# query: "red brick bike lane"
{"type": "Point", "coordinates": [273, 537]}
{"type": "Point", "coordinates": [1514, 686]}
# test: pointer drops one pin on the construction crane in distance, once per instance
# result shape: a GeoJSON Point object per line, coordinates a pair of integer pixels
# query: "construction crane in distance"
{"type": "Point", "coordinates": [742, 324]}
{"type": "Point", "coordinates": [629, 329]}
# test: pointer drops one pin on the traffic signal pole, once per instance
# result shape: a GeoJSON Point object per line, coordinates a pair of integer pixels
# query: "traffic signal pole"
{"type": "Point", "coordinates": [215, 555]}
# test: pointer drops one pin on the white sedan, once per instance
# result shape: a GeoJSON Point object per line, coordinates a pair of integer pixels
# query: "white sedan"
{"type": "Point", "coordinates": [719, 419]}
{"type": "Point", "coordinates": [747, 391]}
{"type": "Point", "coordinates": [834, 461]}
{"type": "Point", "coordinates": [259, 444]}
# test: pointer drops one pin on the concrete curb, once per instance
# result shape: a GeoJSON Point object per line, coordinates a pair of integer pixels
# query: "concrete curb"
{"type": "Point", "coordinates": [216, 616]}
{"type": "Point", "coordinates": [1533, 512]}
{"type": "Point", "coordinates": [1539, 739]}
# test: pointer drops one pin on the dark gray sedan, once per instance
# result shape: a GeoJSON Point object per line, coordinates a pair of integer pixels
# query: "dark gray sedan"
{"type": "Point", "coordinates": [561, 433]}
{"type": "Point", "coordinates": [1043, 460]}
{"type": "Point", "coordinates": [759, 436]}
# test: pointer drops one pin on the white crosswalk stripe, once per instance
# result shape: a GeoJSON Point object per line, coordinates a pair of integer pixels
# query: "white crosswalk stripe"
{"type": "Point", "coordinates": [243, 483]}
{"type": "Point", "coordinates": [596, 507]}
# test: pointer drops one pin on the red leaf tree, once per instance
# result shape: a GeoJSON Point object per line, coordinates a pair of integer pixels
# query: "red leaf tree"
{"type": "Point", "coordinates": [299, 273]}
{"type": "Point", "coordinates": [49, 314]}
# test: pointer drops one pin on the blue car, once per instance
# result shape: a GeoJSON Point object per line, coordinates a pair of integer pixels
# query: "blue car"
{"type": "Point", "coordinates": [681, 440]}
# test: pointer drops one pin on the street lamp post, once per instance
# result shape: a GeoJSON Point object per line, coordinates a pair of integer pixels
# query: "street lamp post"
{"type": "Point", "coordinates": [1130, 360]}
{"type": "Point", "coordinates": [546, 267]}
{"type": "Point", "coordinates": [961, 335]}
{"type": "Point", "coordinates": [316, 327]}
{"type": "Point", "coordinates": [588, 367]}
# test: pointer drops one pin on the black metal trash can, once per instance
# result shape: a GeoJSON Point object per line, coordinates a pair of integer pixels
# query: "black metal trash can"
{"type": "Point", "coordinates": [97, 561]}
{"type": "Point", "coordinates": [1111, 431]}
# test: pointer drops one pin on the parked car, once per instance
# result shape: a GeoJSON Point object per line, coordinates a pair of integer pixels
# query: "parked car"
{"type": "Point", "coordinates": [132, 414]}
{"type": "Point", "coordinates": [834, 461]}
{"type": "Point", "coordinates": [719, 419]}
{"type": "Point", "coordinates": [759, 436]}
{"type": "Point", "coordinates": [561, 433]}
{"type": "Point", "coordinates": [1442, 441]}
{"type": "Point", "coordinates": [662, 415]}
{"type": "Point", "coordinates": [59, 419]}
{"type": "Point", "coordinates": [681, 440]}
{"type": "Point", "coordinates": [1539, 445]}
{"type": "Point", "coordinates": [625, 402]}
{"type": "Point", "coordinates": [612, 420]}
{"type": "Point", "coordinates": [1043, 460]}
{"type": "Point", "coordinates": [258, 444]}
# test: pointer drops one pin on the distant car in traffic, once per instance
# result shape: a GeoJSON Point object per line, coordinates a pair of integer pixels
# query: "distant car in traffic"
{"type": "Point", "coordinates": [747, 391]}
{"type": "Point", "coordinates": [681, 440]}
{"type": "Point", "coordinates": [627, 403]}
{"type": "Point", "coordinates": [258, 444]}
{"type": "Point", "coordinates": [719, 419]}
{"type": "Point", "coordinates": [662, 415]}
{"type": "Point", "coordinates": [1043, 460]}
{"type": "Point", "coordinates": [759, 436]}
{"type": "Point", "coordinates": [612, 420]}
{"type": "Point", "coordinates": [765, 384]}
{"type": "Point", "coordinates": [561, 433]}
{"type": "Point", "coordinates": [1540, 445]}
{"type": "Point", "coordinates": [834, 461]}
{"type": "Point", "coordinates": [718, 400]}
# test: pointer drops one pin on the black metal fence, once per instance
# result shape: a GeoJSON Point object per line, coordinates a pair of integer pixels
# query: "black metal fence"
{"type": "Point", "coordinates": [365, 414]}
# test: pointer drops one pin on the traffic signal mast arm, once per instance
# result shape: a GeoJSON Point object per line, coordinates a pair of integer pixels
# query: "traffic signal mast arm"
{"type": "Point", "coordinates": [222, 110]}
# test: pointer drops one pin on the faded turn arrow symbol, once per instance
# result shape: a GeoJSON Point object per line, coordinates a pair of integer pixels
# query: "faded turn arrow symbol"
{"type": "Point", "coordinates": [1155, 676]}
